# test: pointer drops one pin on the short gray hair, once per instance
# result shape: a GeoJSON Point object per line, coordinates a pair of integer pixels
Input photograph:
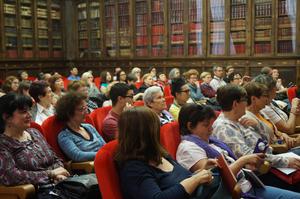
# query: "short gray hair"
{"type": "Point", "coordinates": [149, 94]}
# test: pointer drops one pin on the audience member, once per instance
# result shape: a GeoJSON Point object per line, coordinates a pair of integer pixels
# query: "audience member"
{"type": "Point", "coordinates": [121, 76]}
{"type": "Point", "coordinates": [121, 96]}
{"type": "Point", "coordinates": [217, 81]}
{"type": "Point", "coordinates": [266, 71]}
{"type": "Point", "coordinates": [93, 91]}
{"type": "Point", "coordinates": [106, 78]}
{"type": "Point", "coordinates": [73, 74]}
{"type": "Point", "coordinates": [137, 72]}
{"type": "Point", "coordinates": [205, 87]}
{"type": "Point", "coordinates": [57, 86]}
{"type": "Point", "coordinates": [145, 168]}
{"type": "Point", "coordinates": [23, 75]}
{"type": "Point", "coordinates": [10, 84]}
{"type": "Point", "coordinates": [174, 73]}
{"type": "Point", "coordinates": [194, 85]}
{"type": "Point", "coordinates": [24, 88]}
{"type": "Point", "coordinates": [155, 100]}
{"type": "Point", "coordinates": [235, 78]}
{"type": "Point", "coordinates": [79, 141]}
{"type": "Point", "coordinates": [153, 72]}
{"type": "Point", "coordinates": [228, 70]}
{"type": "Point", "coordinates": [41, 92]}
{"type": "Point", "coordinates": [147, 82]}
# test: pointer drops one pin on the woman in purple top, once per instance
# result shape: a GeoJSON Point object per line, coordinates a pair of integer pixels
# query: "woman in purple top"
{"type": "Point", "coordinates": [25, 157]}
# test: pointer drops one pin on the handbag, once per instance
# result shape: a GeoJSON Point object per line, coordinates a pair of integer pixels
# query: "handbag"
{"type": "Point", "coordinates": [78, 187]}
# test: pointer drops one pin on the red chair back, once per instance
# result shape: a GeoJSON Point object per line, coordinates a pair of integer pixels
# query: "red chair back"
{"type": "Point", "coordinates": [97, 81]}
{"type": "Point", "coordinates": [106, 171]}
{"type": "Point", "coordinates": [170, 138]}
{"type": "Point", "coordinates": [37, 126]}
{"type": "Point", "coordinates": [167, 90]}
{"type": "Point", "coordinates": [291, 93]}
{"type": "Point", "coordinates": [89, 120]}
{"type": "Point", "coordinates": [31, 78]}
{"type": "Point", "coordinates": [98, 116]}
{"type": "Point", "coordinates": [51, 128]}
{"type": "Point", "coordinates": [138, 103]}
{"type": "Point", "coordinates": [169, 100]}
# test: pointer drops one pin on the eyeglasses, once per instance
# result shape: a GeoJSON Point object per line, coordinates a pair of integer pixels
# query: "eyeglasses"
{"type": "Point", "coordinates": [82, 108]}
{"type": "Point", "coordinates": [185, 91]}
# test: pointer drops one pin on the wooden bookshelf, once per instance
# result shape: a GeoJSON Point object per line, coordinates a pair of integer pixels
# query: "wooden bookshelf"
{"type": "Point", "coordinates": [110, 21]}
{"type": "Point", "coordinates": [141, 28]}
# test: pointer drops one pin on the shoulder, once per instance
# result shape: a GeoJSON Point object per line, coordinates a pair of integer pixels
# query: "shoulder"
{"type": "Point", "coordinates": [135, 168]}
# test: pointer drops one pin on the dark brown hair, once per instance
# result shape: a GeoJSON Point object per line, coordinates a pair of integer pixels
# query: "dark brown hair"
{"type": "Point", "coordinates": [255, 89]}
{"type": "Point", "coordinates": [75, 85]}
{"type": "Point", "coordinates": [139, 136]}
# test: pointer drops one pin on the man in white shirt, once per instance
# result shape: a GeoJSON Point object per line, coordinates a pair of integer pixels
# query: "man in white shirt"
{"type": "Point", "coordinates": [217, 81]}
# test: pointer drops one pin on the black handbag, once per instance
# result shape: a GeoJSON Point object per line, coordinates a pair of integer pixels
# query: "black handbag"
{"type": "Point", "coordinates": [78, 187]}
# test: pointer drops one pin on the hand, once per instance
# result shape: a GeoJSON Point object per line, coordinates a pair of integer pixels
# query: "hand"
{"type": "Point", "coordinates": [59, 171]}
{"type": "Point", "coordinates": [211, 163]}
{"type": "Point", "coordinates": [295, 103]}
{"type": "Point", "coordinates": [128, 106]}
{"type": "Point", "coordinates": [294, 163]}
{"type": "Point", "coordinates": [248, 122]}
{"type": "Point", "coordinates": [204, 176]}
{"type": "Point", "coordinates": [288, 140]}
{"type": "Point", "coordinates": [253, 161]}
{"type": "Point", "coordinates": [59, 178]}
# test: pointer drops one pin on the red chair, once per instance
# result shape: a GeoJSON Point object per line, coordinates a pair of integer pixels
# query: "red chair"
{"type": "Point", "coordinates": [169, 100]}
{"type": "Point", "coordinates": [291, 93]}
{"type": "Point", "coordinates": [98, 116]}
{"type": "Point", "coordinates": [37, 126]}
{"type": "Point", "coordinates": [167, 90]}
{"type": "Point", "coordinates": [89, 120]}
{"type": "Point", "coordinates": [97, 81]}
{"type": "Point", "coordinates": [106, 171]}
{"type": "Point", "coordinates": [66, 82]}
{"type": "Point", "coordinates": [138, 103]}
{"type": "Point", "coordinates": [31, 78]}
{"type": "Point", "coordinates": [170, 138]}
{"type": "Point", "coordinates": [51, 128]}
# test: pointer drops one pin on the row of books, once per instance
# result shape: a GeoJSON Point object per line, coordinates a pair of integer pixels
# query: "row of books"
{"type": "Point", "coordinates": [157, 18]}
{"type": "Point", "coordinates": [10, 21]}
{"type": "Point", "coordinates": [9, 9]}
{"type": "Point", "coordinates": [157, 29]}
{"type": "Point", "coordinates": [26, 32]}
{"type": "Point", "coordinates": [94, 13]}
{"type": "Point", "coordinates": [157, 5]}
{"type": "Point", "coordinates": [83, 35]}
{"type": "Point", "coordinates": [26, 11]}
{"type": "Point", "coordinates": [141, 52]}
{"type": "Point", "coordinates": [217, 13]}
{"type": "Point", "coordinates": [263, 10]}
{"type": "Point", "coordinates": [238, 24]}
{"type": "Point", "coordinates": [42, 33]}
{"type": "Point", "coordinates": [176, 5]}
{"type": "Point", "coordinates": [238, 35]}
{"type": "Point", "coordinates": [123, 9]}
{"type": "Point", "coordinates": [263, 1]}
{"type": "Point", "coordinates": [41, 13]}
{"type": "Point", "coordinates": [217, 26]}
{"type": "Point", "coordinates": [55, 14]}
{"type": "Point", "coordinates": [236, 2]}
{"type": "Point", "coordinates": [195, 37]}
{"type": "Point", "coordinates": [25, 1]}
{"type": "Point", "coordinates": [57, 42]}
{"type": "Point", "coordinates": [284, 32]}
{"type": "Point", "coordinates": [238, 11]}
{"type": "Point", "coordinates": [109, 2]}
{"type": "Point", "coordinates": [141, 30]}
{"type": "Point", "coordinates": [42, 23]}
{"type": "Point", "coordinates": [43, 42]}
{"type": "Point", "coordinates": [177, 39]}
{"type": "Point", "coordinates": [177, 16]}
{"type": "Point", "coordinates": [95, 44]}
{"type": "Point", "coordinates": [110, 40]}
{"type": "Point", "coordinates": [141, 20]}
{"type": "Point", "coordinates": [26, 23]}
{"type": "Point", "coordinates": [217, 37]}
{"type": "Point", "coordinates": [263, 33]}
{"type": "Point", "coordinates": [125, 52]}
{"type": "Point", "coordinates": [195, 27]}
{"type": "Point", "coordinates": [124, 22]}
{"type": "Point", "coordinates": [195, 50]}
{"type": "Point", "coordinates": [286, 20]}
{"type": "Point", "coordinates": [141, 7]}
{"type": "Point", "coordinates": [42, 3]}
{"type": "Point", "coordinates": [262, 48]}
{"type": "Point", "coordinates": [82, 14]}
{"type": "Point", "coordinates": [157, 39]}
{"type": "Point", "coordinates": [236, 49]}
{"type": "Point", "coordinates": [263, 22]}
{"type": "Point", "coordinates": [195, 4]}
{"type": "Point", "coordinates": [125, 41]}
{"type": "Point", "coordinates": [217, 48]}
{"type": "Point", "coordinates": [286, 47]}
{"type": "Point", "coordinates": [27, 53]}
{"type": "Point", "coordinates": [94, 5]}
{"type": "Point", "coordinates": [287, 7]}
{"type": "Point", "coordinates": [141, 40]}
{"type": "Point", "coordinates": [82, 25]}
{"type": "Point", "coordinates": [110, 25]}
{"type": "Point", "coordinates": [177, 50]}
{"type": "Point", "coordinates": [177, 28]}
{"type": "Point", "coordinates": [95, 24]}
{"type": "Point", "coordinates": [109, 11]}
{"type": "Point", "coordinates": [27, 42]}
{"type": "Point", "coordinates": [83, 43]}
{"type": "Point", "coordinates": [195, 15]}
{"type": "Point", "coordinates": [158, 51]}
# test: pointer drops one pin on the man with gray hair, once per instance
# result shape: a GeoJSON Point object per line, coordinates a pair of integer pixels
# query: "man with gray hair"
{"type": "Point", "coordinates": [154, 99]}
{"type": "Point", "coordinates": [217, 81]}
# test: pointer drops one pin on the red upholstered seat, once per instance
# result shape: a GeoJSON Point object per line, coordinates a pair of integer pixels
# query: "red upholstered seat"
{"type": "Point", "coordinates": [107, 173]}
{"type": "Point", "coordinates": [138, 103]}
{"type": "Point", "coordinates": [291, 93]}
{"type": "Point", "coordinates": [170, 138]}
{"type": "Point", "coordinates": [169, 100]}
{"type": "Point", "coordinates": [167, 90]}
{"type": "Point", "coordinates": [37, 126]}
{"type": "Point", "coordinates": [97, 81]}
{"type": "Point", "coordinates": [98, 116]}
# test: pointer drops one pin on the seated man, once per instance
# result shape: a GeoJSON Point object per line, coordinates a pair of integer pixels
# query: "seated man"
{"type": "Point", "coordinates": [121, 96]}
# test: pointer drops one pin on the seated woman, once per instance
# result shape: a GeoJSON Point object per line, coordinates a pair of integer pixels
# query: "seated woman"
{"type": "Point", "coordinates": [198, 147]}
{"type": "Point", "coordinates": [93, 91]}
{"type": "Point", "coordinates": [106, 78]}
{"type": "Point", "coordinates": [205, 87]}
{"type": "Point", "coordinates": [147, 82]}
{"type": "Point", "coordinates": [82, 87]}
{"type": "Point", "coordinates": [25, 156]}
{"type": "Point", "coordinates": [57, 86]}
{"type": "Point", "coordinates": [10, 84]}
{"type": "Point", "coordinates": [41, 92]}
{"type": "Point", "coordinates": [78, 141]}
{"type": "Point", "coordinates": [154, 99]}
{"type": "Point", "coordinates": [146, 170]}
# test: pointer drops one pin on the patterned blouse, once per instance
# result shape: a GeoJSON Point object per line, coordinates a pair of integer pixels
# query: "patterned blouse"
{"type": "Point", "coordinates": [241, 140]}
{"type": "Point", "coordinates": [26, 162]}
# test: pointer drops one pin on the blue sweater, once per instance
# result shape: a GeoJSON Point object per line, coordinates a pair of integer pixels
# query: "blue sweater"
{"type": "Point", "coordinates": [76, 147]}
{"type": "Point", "coordinates": [139, 180]}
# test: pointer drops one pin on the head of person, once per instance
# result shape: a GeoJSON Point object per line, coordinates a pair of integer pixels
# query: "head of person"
{"type": "Point", "coordinates": [275, 73]}
{"type": "Point", "coordinates": [121, 76]}
{"type": "Point", "coordinates": [23, 75]}
{"type": "Point", "coordinates": [105, 77]}
{"type": "Point", "coordinates": [266, 71]}
{"type": "Point", "coordinates": [229, 69]}
{"type": "Point", "coordinates": [117, 69]}
{"type": "Point", "coordinates": [79, 86]}
{"type": "Point", "coordinates": [152, 70]}
{"type": "Point", "coordinates": [174, 73]}
{"type": "Point", "coordinates": [232, 98]}
{"type": "Point", "coordinates": [24, 88]}
{"type": "Point", "coordinates": [270, 83]}
{"type": "Point", "coordinates": [140, 141]}
{"type": "Point", "coordinates": [257, 95]}
{"type": "Point", "coordinates": [235, 78]}
{"type": "Point", "coordinates": [206, 77]}
{"type": "Point", "coordinates": [14, 112]}
{"type": "Point", "coordinates": [121, 94]}
{"type": "Point", "coordinates": [56, 83]}
{"type": "Point", "coordinates": [180, 90]}
{"type": "Point", "coordinates": [41, 92]}
{"type": "Point", "coordinates": [192, 76]}
{"type": "Point", "coordinates": [87, 77]}
{"type": "Point", "coordinates": [148, 79]}
{"type": "Point", "coordinates": [131, 79]}
{"type": "Point", "coordinates": [10, 84]}
{"type": "Point", "coordinates": [218, 71]}
{"type": "Point", "coordinates": [196, 119]}
{"type": "Point", "coordinates": [154, 98]}
{"type": "Point", "coordinates": [71, 107]}
{"type": "Point", "coordinates": [137, 72]}
{"type": "Point", "coordinates": [74, 71]}
{"type": "Point", "coordinates": [162, 77]}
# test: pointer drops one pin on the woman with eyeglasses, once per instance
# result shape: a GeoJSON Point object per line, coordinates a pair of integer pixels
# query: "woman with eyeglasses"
{"type": "Point", "coordinates": [78, 141]}
{"type": "Point", "coordinates": [25, 156]}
